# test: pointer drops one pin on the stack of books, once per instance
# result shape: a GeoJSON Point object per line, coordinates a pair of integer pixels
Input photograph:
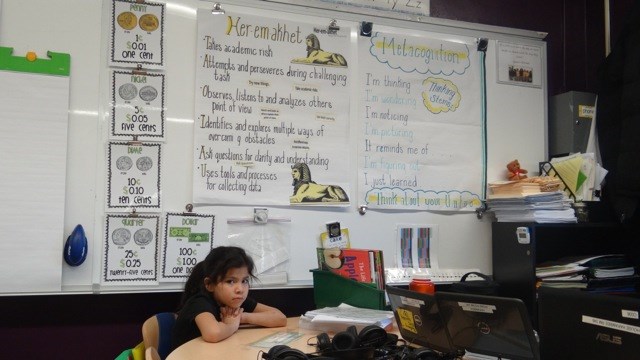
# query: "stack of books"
{"type": "Point", "coordinates": [602, 273]}
{"type": "Point", "coordinates": [543, 207]}
{"type": "Point", "coordinates": [362, 265]}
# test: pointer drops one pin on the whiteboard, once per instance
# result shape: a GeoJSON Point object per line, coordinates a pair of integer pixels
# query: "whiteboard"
{"type": "Point", "coordinates": [516, 121]}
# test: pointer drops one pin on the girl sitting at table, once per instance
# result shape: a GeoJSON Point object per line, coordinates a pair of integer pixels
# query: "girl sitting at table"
{"type": "Point", "coordinates": [215, 302]}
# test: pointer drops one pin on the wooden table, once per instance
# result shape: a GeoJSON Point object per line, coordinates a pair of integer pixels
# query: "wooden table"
{"type": "Point", "coordinates": [238, 346]}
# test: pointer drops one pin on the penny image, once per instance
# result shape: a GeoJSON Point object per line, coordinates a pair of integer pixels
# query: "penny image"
{"type": "Point", "coordinates": [148, 22]}
{"type": "Point", "coordinates": [121, 236]}
{"type": "Point", "coordinates": [143, 236]}
{"type": "Point", "coordinates": [127, 91]}
{"type": "Point", "coordinates": [124, 163]}
{"type": "Point", "coordinates": [148, 93]}
{"type": "Point", "coordinates": [127, 20]}
{"type": "Point", "coordinates": [144, 163]}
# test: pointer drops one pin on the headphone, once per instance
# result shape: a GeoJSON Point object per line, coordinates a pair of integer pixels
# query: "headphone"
{"type": "Point", "coordinates": [371, 336]}
{"type": "Point", "coordinates": [284, 352]}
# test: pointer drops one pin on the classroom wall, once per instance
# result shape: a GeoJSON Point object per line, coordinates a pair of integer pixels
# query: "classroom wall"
{"type": "Point", "coordinates": [576, 32]}
{"type": "Point", "coordinates": [100, 326]}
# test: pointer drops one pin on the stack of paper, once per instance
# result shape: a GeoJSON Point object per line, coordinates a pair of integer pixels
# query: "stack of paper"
{"type": "Point", "coordinates": [524, 187]}
{"type": "Point", "coordinates": [512, 188]}
{"type": "Point", "coordinates": [336, 319]}
{"type": "Point", "coordinates": [544, 207]}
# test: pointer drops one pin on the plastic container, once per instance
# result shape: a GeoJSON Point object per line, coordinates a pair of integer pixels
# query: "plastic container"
{"type": "Point", "coordinates": [423, 284]}
{"type": "Point", "coordinates": [330, 290]}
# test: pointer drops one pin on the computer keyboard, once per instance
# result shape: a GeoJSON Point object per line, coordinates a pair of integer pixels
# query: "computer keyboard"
{"type": "Point", "coordinates": [402, 276]}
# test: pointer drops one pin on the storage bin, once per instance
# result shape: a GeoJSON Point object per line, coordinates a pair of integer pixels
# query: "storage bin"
{"type": "Point", "coordinates": [330, 290]}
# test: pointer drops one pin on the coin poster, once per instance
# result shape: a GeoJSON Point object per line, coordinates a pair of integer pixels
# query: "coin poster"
{"type": "Point", "coordinates": [130, 252]}
{"type": "Point", "coordinates": [137, 34]}
{"type": "Point", "coordinates": [420, 123]}
{"type": "Point", "coordinates": [137, 108]}
{"type": "Point", "coordinates": [272, 111]}
{"type": "Point", "coordinates": [133, 176]}
{"type": "Point", "coordinates": [188, 238]}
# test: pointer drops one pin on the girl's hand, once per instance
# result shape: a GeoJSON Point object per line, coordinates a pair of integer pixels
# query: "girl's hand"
{"type": "Point", "coordinates": [231, 316]}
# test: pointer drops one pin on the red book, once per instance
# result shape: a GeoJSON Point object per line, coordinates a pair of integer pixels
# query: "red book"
{"type": "Point", "coordinates": [350, 263]}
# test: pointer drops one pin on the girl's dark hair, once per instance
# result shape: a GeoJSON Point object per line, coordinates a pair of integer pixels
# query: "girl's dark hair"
{"type": "Point", "coordinates": [215, 266]}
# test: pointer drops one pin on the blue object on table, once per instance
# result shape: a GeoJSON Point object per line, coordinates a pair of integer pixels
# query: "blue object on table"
{"type": "Point", "coordinates": [75, 248]}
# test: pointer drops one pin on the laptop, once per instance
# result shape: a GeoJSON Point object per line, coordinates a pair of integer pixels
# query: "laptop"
{"type": "Point", "coordinates": [489, 325]}
{"type": "Point", "coordinates": [419, 320]}
{"type": "Point", "coordinates": [577, 324]}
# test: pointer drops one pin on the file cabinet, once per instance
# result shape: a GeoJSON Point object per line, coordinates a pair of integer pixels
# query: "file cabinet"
{"type": "Point", "coordinates": [515, 258]}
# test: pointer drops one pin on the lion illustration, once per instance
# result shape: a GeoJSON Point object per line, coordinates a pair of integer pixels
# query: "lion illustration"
{"type": "Point", "coordinates": [305, 190]}
{"type": "Point", "coordinates": [315, 55]}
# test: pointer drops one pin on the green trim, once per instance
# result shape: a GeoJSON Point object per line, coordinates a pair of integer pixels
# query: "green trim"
{"type": "Point", "coordinates": [58, 64]}
{"type": "Point", "coordinates": [483, 92]}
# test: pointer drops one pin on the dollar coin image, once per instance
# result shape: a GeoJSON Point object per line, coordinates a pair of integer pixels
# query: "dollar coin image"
{"type": "Point", "coordinates": [127, 91]}
{"type": "Point", "coordinates": [121, 236]}
{"type": "Point", "coordinates": [148, 22]}
{"type": "Point", "coordinates": [148, 93]}
{"type": "Point", "coordinates": [127, 20]}
{"type": "Point", "coordinates": [124, 163]}
{"type": "Point", "coordinates": [143, 236]}
{"type": "Point", "coordinates": [144, 163]}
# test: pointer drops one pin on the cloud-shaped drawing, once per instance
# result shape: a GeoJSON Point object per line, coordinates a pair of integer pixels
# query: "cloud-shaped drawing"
{"type": "Point", "coordinates": [440, 95]}
{"type": "Point", "coordinates": [423, 199]}
{"type": "Point", "coordinates": [421, 55]}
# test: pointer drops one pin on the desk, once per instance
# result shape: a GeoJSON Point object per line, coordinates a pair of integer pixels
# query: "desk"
{"type": "Point", "coordinates": [239, 344]}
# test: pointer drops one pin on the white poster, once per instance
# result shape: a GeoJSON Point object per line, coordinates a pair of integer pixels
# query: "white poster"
{"type": "Point", "coordinates": [137, 34]}
{"type": "Point", "coordinates": [272, 112]}
{"type": "Point", "coordinates": [133, 176]}
{"type": "Point", "coordinates": [188, 238]}
{"type": "Point", "coordinates": [420, 123]}
{"type": "Point", "coordinates": [130, 249]}
{"type": "Point", "coordinates": [519, 64]}
{"type": "Point", "coordinates": [137, 106]}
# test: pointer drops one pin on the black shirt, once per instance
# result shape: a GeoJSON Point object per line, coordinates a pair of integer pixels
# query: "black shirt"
{"type": "Point", "coordinates": [186, 328]}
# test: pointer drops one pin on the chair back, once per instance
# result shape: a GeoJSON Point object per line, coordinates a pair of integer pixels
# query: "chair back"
{"type": "Point", "coordinates": [156, 333]}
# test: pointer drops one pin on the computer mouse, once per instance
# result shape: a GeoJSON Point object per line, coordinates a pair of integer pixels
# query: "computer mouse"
{"type": "Point", "coordinates": [75, 248]}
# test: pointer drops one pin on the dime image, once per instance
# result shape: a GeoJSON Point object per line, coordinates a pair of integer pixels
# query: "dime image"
{"type": "Point", "coordinates": [148, 93]}
{"type": "Point", "coordinates": [143, 236]}
{"type": "Point", "coordinates": [121, 236]}
{"type": "Point", "coordinates": [127, 20]}
{"type": "Point", "coordinates": [127, 91]}
{"type": "Point", "coordinates": [144, 163]}
{"type": "Point", "coordinates": [124, 163]}
{"type": "Point", "coordinates": [148, 22]}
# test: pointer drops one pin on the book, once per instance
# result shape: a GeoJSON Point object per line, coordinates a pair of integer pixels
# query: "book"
{"type": "Point", "coordinates": [362, 265]}
{"type": "Point", "coordinates": [335, 319]}
{"type": "Point", "coordinates": [582, 264]}
{"type": "Point", "coordinates": [608, 272]}
{"type": "Point", "coordinates": [559, 270]}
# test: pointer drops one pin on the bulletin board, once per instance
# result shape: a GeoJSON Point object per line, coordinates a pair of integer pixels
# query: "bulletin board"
{"type": "Point", "coordinates": [510, 122]}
